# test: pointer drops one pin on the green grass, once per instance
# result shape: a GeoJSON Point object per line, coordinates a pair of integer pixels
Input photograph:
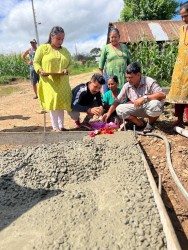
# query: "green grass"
{"type": "Point", "coordinates": [82, 71]}
{"type": "Point", "coordinates": [7, 90]}
{"type": "Point", "coordinates": [8, 79]}
{"type": "Point", "coordinates": [12, 67]}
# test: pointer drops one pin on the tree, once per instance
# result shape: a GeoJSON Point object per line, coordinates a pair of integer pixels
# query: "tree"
{"type": "Point", "coordinates": [137, 10]}
{"type": "Point", "coordinates": [82, 57]}
{"type": "Point", "coordinates": [95, 52]}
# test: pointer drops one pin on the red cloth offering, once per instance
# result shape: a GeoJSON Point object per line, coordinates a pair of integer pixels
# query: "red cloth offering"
{"type": "Point", "coordinates": [99, 127]}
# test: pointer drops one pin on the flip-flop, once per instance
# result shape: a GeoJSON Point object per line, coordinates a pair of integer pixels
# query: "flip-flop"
{"type": "Point", "coordinates": [148, 128]}
{"type": "Point", "coordinates": [140, 127]}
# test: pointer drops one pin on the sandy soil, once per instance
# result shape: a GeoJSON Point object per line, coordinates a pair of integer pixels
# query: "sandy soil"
{"type": "Point", "coordinates": [20, 112]}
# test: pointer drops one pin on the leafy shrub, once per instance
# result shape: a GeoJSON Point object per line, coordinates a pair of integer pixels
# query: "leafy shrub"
{"type": "Point", "coordinates": [14, 66]}
{"type": "Point", "coordinates": [157, 60]}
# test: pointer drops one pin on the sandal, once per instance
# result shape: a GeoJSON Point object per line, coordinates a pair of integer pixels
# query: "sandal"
{"type": "Point", "coordinates": [140, 127]}
{"type": "Point", "coordinates": [178, 123]}
{"type": "Point", "coordinates": [148, 128]}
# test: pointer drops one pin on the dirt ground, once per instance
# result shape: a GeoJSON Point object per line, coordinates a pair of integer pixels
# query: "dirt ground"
{"type": "Point", "coordinates": [20, 112]}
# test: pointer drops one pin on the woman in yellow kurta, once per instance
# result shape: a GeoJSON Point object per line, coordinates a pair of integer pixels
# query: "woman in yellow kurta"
{"type": "Point", "coordinates": [179, 87]}
{"type": "Point", "coordinates": [54, 89]}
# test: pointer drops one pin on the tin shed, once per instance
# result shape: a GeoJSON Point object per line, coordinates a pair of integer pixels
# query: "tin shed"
{"type": "Point", "coordinates": [158, 30]}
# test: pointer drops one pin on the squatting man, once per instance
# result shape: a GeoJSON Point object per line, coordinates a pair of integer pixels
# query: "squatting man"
{"type": "Point", "coordinates": [87, 98]}
{"type": "Point", "coordinates": [145, 99]}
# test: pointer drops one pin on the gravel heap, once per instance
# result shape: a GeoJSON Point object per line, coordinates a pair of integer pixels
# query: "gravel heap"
{"type": "Point", "coordinates": [53, 166]}
{"type": "Point", "coordinates": [90, 194]}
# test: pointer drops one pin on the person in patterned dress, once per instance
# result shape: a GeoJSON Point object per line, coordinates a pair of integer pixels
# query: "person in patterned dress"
{"type": "Point", "coordinates": [114, 59]}
{"type": "Point", "coordinates": [53, 61]}
{"type": "Point", "coordinates": [178, 93]}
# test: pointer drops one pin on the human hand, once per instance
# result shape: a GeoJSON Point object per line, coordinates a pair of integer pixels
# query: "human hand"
{"type": "Point", "coordinates": [101, 110]}
{"type": "Point", "coordinates": [30, 62]}
{"type": "Point", "coordinates": [138, 102]}
{"type": "Point", "coordinates": [105, 118]}
{"type": "Point", "coordinates": [43, 73]}
{"type": "Point", "coordinates": [65, 72]}
{"type": "Point", "coordinates": [95, 111]}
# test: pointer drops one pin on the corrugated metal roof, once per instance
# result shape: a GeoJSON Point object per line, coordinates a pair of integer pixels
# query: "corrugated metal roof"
{"type": "Point", "coordinates": [158, 30]}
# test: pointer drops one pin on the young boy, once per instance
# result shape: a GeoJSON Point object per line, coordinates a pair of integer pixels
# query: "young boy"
{"type": "Point", "coordinates": [88, 99]}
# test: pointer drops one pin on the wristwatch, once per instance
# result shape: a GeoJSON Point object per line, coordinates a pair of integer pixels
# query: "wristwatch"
{"type": "Point", "coordinates": [145, 98]}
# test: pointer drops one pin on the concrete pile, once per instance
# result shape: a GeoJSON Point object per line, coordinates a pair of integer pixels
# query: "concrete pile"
{"type": "Point", "coordinates": [89, 194]}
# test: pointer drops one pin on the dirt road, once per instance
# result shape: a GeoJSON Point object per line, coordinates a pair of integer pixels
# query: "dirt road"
{"type": "Point", "coordinates": [20, 112]}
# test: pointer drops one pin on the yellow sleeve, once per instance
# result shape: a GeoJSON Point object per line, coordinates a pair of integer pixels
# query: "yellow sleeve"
{"type": "Point", "coordinates": [70, 65]}
{"type": "Point", "coordinates": [37, 63]}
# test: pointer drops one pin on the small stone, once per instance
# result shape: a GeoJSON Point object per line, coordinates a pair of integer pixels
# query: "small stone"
{"type": "Point", "coordinates": [78, 196]}
{"type": "Point", "coordinates": [64, 170]}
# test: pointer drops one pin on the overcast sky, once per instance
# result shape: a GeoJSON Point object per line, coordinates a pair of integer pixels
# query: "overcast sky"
{"type": "Point", "coordinates": [85, 22]}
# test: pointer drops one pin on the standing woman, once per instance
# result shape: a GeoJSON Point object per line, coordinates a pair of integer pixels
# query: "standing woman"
{"type": "Point", "coordinates": [114, 58]}
{"type": "Point", "coordinates": [179, 86]}
{"type": "Point", "coordinates": [54, 89]}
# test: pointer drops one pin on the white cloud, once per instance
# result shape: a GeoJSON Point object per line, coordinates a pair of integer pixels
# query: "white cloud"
{"type": "Point", "coordinates": [85, 22]}
{"type": "Point", "coordinates": [6, 6]}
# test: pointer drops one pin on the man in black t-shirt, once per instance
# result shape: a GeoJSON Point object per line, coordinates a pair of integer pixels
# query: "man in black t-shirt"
{"type": "Point", "coordinates": [87, 98]}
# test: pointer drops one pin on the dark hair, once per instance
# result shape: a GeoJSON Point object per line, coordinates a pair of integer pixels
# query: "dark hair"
{"type": "Point", "coordinates": [114, 30]}
{"type": "Point", "coordinates": [184, 6]}
{"type": "Point", "coordinates": [114, 78]}
{"type": "Point", "coordinates": [133, 68]}
{"type": "Point", "coordinates": [98, 78]}
{"type": "Point", "coordinates": [55, 30]}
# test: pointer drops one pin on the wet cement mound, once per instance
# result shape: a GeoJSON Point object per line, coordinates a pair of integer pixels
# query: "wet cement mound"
{"type": "Point", "coordinates": [89, 194]}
